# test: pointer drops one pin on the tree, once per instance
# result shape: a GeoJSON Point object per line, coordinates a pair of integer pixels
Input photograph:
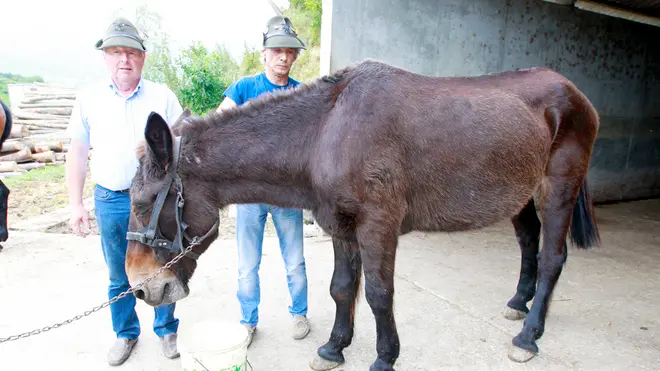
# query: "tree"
{"type": "Point", "coordinates": [159, 66]}
{"type": "Point", "coordinates": [251, 63]}
{"type": "Point", "coordinates": [206, 75]}
{"type": "Point", "coordinates": [312, 10]}
{"type": "Point", "coordinates": [306, 16]}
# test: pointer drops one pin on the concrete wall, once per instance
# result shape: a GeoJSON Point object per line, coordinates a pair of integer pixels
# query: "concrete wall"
{"type": "Point", "coordinates": [615, 62]}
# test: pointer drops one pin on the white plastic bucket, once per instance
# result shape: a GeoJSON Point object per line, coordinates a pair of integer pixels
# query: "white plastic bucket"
{"type": "Point", "coordinates": [214, 346]}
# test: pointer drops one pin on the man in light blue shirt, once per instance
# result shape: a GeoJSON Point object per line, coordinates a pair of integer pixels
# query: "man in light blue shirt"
{"type": "Point", "coordinates": [110, 117]}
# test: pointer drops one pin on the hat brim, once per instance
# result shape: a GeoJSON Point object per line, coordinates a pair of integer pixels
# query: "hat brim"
{"type": "Point", "coordinates": [281, 41]}
{"type": "Point", "coordinates": [126, 42]}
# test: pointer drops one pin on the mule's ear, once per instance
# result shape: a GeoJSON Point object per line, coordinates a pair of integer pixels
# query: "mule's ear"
{"type": "Point", "coordinates": [159, 139]}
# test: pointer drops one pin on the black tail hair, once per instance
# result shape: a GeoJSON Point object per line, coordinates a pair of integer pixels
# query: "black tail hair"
{"type": "Point", "coordinates": [584, 232]}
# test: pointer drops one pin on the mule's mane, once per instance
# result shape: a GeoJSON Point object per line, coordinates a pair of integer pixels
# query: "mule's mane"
{"type": "Point", "coordinates": [264, 102]}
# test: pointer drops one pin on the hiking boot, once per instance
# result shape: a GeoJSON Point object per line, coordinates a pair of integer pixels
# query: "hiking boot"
{"type": "Point", "coordinates": [120, 351]}
{"type": "Point", "coordinates": [169, 346]}
{"type": "Point", "coordinates": [300, 327]}
{"type": "Point", "coordinates": [251, 330]}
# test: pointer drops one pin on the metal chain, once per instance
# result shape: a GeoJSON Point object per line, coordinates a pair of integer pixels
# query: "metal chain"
{"type": "Point", "coordinates": [193, 243]}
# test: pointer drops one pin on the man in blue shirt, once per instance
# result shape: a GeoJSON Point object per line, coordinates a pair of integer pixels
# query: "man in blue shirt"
{"type": "Point", "coordinates": [281, 47]}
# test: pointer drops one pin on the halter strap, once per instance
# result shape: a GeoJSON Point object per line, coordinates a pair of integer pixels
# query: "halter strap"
{"type": "Point", "coordinates": [151, 234]}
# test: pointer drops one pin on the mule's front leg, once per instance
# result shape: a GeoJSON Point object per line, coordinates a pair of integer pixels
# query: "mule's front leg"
{"type": "Point", "coordinates": [378, 257]}
{"type": "Point", "coordinates": [343, 289]}
{"type": "Point", "coordinates": [4, 204]}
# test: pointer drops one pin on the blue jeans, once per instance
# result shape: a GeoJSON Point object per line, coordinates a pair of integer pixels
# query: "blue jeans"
{"type": "Point", "coordinates": [250, 224]}
{"type": "Point", "coordinates": [112, 211]}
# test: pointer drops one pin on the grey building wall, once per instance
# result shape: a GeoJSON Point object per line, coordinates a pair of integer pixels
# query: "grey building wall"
{"type": "Point", "coordinates": [615, 62]}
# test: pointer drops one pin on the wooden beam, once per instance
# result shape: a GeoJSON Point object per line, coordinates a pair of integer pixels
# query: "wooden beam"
{"type": "Point", "coordinates": [617, 12]}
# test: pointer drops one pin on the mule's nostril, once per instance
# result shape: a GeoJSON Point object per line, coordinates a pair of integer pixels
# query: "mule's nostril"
{"type": "Point", "coordinates": [139, 294]}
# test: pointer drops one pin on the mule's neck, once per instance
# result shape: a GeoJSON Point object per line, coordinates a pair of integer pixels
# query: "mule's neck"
{"type": "Point", "coordinates": [262, 154]}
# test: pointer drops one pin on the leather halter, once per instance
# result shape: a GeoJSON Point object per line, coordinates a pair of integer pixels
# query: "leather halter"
{"type": "Point", "coordinates": [150, 235]}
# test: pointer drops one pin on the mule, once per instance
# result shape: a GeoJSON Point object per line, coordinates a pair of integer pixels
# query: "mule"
{"type": "Point", "coordinates": [375, 151]}
{"type": "Point", "coordinates": [5, 128]}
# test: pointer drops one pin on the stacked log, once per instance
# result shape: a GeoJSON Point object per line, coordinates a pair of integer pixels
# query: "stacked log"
{"type": "Point", "coordinates": [20, 155]}
{"type": "Point", "coordinates": [38, 135]}
{"type": "Point", "coordinates": [45, 109]}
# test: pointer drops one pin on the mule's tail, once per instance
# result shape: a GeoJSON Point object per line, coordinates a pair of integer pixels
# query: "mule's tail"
{"type": "Point", "coordinates": [584, 231]}
{"type": "Point", "coordinates": [584, 122]}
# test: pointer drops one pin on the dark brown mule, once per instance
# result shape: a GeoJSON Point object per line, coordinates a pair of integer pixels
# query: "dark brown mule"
{"type": "Point", "coordinates": [5, 129]}
{"type": "Point", "coordinates": [376, 151]}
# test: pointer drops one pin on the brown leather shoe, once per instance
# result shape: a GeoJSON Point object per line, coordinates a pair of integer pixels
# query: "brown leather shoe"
{"type": "Point", "coordinates": [120, 351]}
{"type": "Point", "coordinates": [169, 346]}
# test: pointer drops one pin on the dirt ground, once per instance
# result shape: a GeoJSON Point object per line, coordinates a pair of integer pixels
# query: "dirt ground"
{"type": "Point", "coordinates": [38, 192]}
{"type": "Point", "coordinates": [451, 290]}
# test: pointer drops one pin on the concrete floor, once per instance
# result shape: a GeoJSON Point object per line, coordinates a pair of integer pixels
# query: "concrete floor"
{"type": "Point", "coordinates": [450, 293]}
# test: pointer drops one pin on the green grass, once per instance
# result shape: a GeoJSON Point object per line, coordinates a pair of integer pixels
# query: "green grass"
{"type": "Point", "coordinates": [35, 176]}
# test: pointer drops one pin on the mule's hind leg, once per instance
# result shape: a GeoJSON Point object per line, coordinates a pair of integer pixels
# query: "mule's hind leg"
{"type": "Point", "coordinates": [343, 289]}
{"type": "Point", "coordinates": [565, 180]}
{"type": "Point", "coordinates": [528, 230]}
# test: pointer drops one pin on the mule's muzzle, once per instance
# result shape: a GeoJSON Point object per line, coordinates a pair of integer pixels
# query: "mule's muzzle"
{"type": "Point", "coordinates": [162, 291]}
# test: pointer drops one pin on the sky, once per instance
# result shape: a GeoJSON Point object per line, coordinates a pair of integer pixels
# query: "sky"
{"type": "Point", "coordinates": [55, 39]}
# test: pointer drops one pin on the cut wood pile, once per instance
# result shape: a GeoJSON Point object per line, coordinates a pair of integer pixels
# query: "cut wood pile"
{"type": "Point", "coordinates": [38, 132]}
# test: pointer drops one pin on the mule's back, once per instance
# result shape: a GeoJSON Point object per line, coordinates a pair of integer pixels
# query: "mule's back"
{"type": "Point", "coordinates": [461, 153]}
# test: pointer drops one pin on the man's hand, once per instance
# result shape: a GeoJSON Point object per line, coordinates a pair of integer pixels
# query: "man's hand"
{"type": "Point", "coordinates": [76, 169]}
{"type": "Point", "coordinates": [226, 103]}
{"type": "Point", "coordinates": [79, 221]}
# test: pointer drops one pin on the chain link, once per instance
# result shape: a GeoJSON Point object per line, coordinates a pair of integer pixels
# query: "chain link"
{"type": "Point", "coordinates": [194, 242]}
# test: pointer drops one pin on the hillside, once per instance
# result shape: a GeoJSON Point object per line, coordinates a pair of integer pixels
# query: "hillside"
{"type": "Point", "coordinates": [9, 78]}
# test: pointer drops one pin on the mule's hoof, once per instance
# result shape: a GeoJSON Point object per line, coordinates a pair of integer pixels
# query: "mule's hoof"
{"type": "Point", "coordinates": [514, 314]}
{"type": "Point", "coordinates": [380, 365]}
{"type": "Point", "coordinates": [322, 364]}
{"type": "Point", "coordinates": [520, 355]}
